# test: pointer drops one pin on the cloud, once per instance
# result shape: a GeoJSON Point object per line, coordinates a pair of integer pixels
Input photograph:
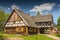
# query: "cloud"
{"type": "Point", "coordinates": [45, 6]}
{"type": "Point", "coordinates": [8, 8]}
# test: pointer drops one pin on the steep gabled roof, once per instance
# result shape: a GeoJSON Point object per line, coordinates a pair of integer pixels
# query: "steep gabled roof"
{"type": "Point", "coordinates": [42, 18]}
{"type": "Point", "coordinates": [26, 18]}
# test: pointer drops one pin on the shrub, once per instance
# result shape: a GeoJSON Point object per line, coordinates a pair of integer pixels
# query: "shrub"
{"type": "Point", "coordinates": [1, 37]}
{"type": "Point", "coordinates": [58, 35]}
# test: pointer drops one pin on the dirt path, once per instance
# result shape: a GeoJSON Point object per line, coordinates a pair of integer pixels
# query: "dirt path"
{"type": "Point", "coordinates": [53, 37]}
{"type": "Point", "coordinates": [15, 38]}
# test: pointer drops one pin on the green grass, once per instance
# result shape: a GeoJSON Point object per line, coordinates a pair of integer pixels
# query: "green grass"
{"type": "Point", "coordinates": [37, 37]}
{"type": "Point", "coordinates": [58, 35]}
{"type": "Point", "coordinates": [32, 37]}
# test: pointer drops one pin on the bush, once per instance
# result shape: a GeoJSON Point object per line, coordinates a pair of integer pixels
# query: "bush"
{"type": "Point", "coordinates": [58, 27]}
{"type": "Point", "coordinates": [1, 37]}
{"type": "Point", "coordinates": [58, 35]}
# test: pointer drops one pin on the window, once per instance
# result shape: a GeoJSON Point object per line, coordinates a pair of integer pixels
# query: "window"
{"type": "Point", "coordinates": [20, 29]}
{"type": "Point", "coordinates": [30, 29]}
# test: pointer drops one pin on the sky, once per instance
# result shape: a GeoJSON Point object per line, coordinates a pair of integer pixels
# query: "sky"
{"type": "Point", "coordinates": [32, 6]}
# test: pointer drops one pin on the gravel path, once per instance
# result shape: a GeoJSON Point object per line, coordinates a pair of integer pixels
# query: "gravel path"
{"type": "Point", "coordinates": [53, 37]}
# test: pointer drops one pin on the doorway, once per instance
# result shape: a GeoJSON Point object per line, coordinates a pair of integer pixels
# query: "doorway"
{"type": "Point", "coordinates": [42, 30]}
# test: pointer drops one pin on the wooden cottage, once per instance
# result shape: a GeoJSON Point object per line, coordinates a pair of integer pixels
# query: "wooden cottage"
{"type": "Point", "coordinates": [20, 23]}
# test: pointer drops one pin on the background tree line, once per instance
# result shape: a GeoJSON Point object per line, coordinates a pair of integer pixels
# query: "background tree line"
{"type": "Point", "coordinates": [58, 23]}
{"type": "Point", "coordinates": [3, 18]}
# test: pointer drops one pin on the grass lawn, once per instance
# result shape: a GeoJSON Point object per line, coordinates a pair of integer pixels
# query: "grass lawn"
{"type": "Point", "coordinates": [58, 35]}
{"type": "Point", "coordinates": [32, 37]}
{"type": "Point", "coordinates": [37, 37]}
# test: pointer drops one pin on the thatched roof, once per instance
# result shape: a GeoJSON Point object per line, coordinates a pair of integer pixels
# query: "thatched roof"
{"type": "Point", "coordinates": [26, 18]}
{"type": "Point", "coordinates": [42, 18]}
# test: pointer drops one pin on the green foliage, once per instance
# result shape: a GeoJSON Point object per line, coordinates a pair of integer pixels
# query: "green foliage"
{"type": "Point", "coordinates": [1, 37]}
{"type": "Point", "coordinates": [2, 15]}
{"type": "Point", "coordinates": [58, 35]}
{"type": "Point", "coordinates": [6, 16]}
{"type": "Point", "coordinates": [38, 13]}
{"type": "Point", "coordinates": [3, 18]}
{"type": "Point", "coordinates": [58, 23]}
{"type": "Point", "coordinates": [58, 27]}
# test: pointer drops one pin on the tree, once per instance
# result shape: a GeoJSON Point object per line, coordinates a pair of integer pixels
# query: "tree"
{"type": "Point", "coordinates": [2, 15]}
{"type": "Point", "coordinates": [3, 18]}
{"type": "Point", "coordinates": [38, 13]}
{"type": "Point", "coordinates": [58, 23]}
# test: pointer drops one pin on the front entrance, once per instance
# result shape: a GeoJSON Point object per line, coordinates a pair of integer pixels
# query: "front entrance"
{"type": "Point", "coordinates": [42, 30]}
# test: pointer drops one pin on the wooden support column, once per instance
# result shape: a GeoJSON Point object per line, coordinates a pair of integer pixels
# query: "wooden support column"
{"type": "Point", "coordinates": [26, 30]}
{"type": "Point", "coordinates": [38, 31]}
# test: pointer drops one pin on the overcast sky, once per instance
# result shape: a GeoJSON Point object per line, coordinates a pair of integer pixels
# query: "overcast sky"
{"type": "Point", "coordinates": [32, 6]}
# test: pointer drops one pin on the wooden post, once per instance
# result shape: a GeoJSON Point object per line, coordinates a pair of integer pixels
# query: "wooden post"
{"type": "Point", "coordinates": [38, 31]}
{"type": "Point", "coordinates": [26, 30]}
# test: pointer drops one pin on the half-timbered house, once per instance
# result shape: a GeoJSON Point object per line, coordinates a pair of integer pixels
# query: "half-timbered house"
{"type": "Point", "coordinates": [21, 23]}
